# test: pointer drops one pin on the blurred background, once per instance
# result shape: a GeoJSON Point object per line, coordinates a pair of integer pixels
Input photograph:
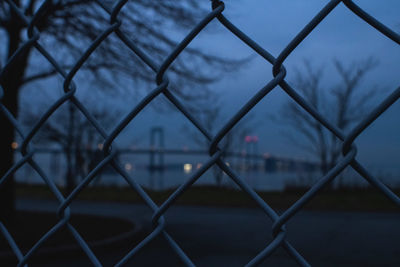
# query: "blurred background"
{"type": "Point", "coordinates": [344, 68]}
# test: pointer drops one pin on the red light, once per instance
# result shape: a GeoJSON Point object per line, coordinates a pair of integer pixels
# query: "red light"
{"type": "Point", "coordinates": [250, 139]}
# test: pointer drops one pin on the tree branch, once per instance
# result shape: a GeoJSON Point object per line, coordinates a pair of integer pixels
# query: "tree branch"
{"type": "Point", "coordinates": [38, 76]}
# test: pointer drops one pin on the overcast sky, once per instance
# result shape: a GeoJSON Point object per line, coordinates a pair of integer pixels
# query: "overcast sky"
{"type": "Point", "coordinates": [273, 24]}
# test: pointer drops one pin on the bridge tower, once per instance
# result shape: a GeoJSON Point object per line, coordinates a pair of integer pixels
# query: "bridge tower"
{"type": "Point", "coordinates": [251, 151]}
{"type": "Point", "coordinates": [156, 151]}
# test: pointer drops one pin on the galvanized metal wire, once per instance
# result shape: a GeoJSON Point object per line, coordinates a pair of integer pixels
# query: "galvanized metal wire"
{"type": "Point", "coordinates": [162, 87]}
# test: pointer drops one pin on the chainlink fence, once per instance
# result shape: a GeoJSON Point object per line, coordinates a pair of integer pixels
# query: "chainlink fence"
{"type": "Point", "coordinates": [161, 87]}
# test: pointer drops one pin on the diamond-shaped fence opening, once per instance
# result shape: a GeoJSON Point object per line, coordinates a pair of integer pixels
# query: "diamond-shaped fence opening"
{"type": "Point", "coordinates": [109, 156]}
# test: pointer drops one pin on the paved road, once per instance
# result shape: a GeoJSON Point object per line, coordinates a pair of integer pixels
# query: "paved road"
{"type": "Point", "coordinates": [232, 236]}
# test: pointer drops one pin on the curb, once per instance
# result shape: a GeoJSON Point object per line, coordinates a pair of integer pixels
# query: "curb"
{"type": "Point", "coordinates": [111, 243]}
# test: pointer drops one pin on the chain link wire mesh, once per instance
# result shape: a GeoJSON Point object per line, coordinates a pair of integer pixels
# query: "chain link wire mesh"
{"type": "Point", "coordinates": [161, 87]}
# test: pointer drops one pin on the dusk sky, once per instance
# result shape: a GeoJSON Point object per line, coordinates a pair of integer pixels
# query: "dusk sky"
{"type": "Point", "coordinates": [273, 24]}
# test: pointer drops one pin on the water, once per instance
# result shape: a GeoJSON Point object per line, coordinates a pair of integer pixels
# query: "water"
{"type": "Point", "coordinates": [257, 179]}
{"type": "Point", "coordinates": [177, 174]}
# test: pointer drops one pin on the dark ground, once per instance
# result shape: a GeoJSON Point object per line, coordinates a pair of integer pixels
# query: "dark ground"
{"type": "Point", "coordinates": [226, 236]}
{"type": "Point", "coordinates": [364, 199]}
{"type": "Point", "coordinates": [27, 227]}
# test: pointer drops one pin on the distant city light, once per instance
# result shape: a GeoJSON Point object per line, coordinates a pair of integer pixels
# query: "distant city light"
{"type": "Point", "coordinates": [198, 166]}
{"type": "Point", "coordinates": [227, 164]}
{"type": "Point", "coordinates": [14, 145]}
{"type": "Point", "coordinates": [100, 146]}
{"type": "Point", "coordinates": [251, 138]}
{"type": "Point", "coordinates": [128, 166]}
{"type": "Point", "coordinates": [187, 167]}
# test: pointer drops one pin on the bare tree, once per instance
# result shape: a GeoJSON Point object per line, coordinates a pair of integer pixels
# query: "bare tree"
{"type": "Point", "coordinates": [72, 133]}
{"type": "Point", "coordinates": [67, 27]}
{"type": "Point", "coordinates": [343, 104]}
